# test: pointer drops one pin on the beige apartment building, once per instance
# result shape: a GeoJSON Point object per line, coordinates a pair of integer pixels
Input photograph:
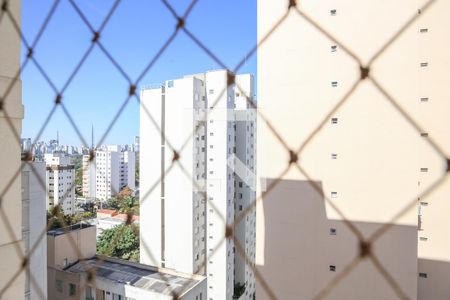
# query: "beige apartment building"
{"type": "Point", "coordinates": [11, 204]}
{"type": "Point", "coordinates": [366, 159]}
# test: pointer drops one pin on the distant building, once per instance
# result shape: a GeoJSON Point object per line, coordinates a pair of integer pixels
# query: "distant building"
{"type": "Point", "coordinates": [136, 144]}
{"type": "Point", "coordinates": [33, 224]}
{"type": "Point", "coordinates": [108, 172]}
{"type": "Point", "coordinates": [114, 279]}
{"type": "Point", "coordinates": [26, 144]}
{"type": "Point", "coordinates": [60, 178]}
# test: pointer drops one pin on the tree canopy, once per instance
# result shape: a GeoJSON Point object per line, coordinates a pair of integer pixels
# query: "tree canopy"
{"type": "Point", "coordinates": [122, 241]}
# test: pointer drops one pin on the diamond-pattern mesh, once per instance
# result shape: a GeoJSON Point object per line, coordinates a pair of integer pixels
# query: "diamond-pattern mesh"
{"type": "Point", "coordinates": [293, 9]}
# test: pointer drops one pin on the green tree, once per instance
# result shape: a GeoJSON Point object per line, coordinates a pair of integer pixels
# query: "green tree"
{"type": "Point", "coordinates": [129, 205]}
{"type": "Point", "coordinates": [122, 241]}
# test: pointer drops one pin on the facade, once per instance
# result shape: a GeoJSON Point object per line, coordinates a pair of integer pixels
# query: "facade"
{"type": "Point", "coordinates": [65, 247]}
{"type": "Point", "coordinates": [366, 159]}
{"type": "Point", "coordinates": [60, 178]}
{"type": "Point", "coordinates": [11, 205]}
{"type": "Point", "coordinates": [186, 230]}
{"type": "Point", "coordinates": [245, 184]}
{"type": "Point", "coordinates": [108, 172]}
{"type": "Point", "coordinates": [34, 223]}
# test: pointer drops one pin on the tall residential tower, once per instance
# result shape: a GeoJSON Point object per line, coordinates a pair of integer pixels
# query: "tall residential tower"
{"type": "Point", "coordinates": [188, 196]}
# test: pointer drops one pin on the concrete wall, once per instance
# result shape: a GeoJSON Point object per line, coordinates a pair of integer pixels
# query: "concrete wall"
{"type": "Point", "coordinates": [377, 171]}
{"type": "Point", "coordinates": [296, 248]}
{"type": "Point", "coordinates": [62, 249]}
{"type": "Point", "coordinates": [150, 173]}
{"type": "Point", "coordinates": [34, 224]}
{"type": "Point", "coordinates": [220, 185]}
{"type": "Point", "coordinates": [245, 171]}
{"type": "Point", "coordinates": [10, 157]}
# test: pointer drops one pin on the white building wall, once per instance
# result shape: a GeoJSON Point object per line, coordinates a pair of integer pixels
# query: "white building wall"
{"type": "Point", "coordinates": [89, 177]}
{"type": "Point", "coordinates": [220, 185]}
{"type": "Point", "coordinates": [178, 191]}
{"type": "Point", "coordinates": [33, 225]}
{"type": "Point", "coordinates": [128, 165]}
{"type": "Point", "coordinates": [245, 120]}
{"type": "Point", "coordinates": [183, 228]}
{"type": "Point", "coordinates": [151, 157]}
{"type": "Point", "coordinates": [109, 172]}
{"type": "Point", "coordinates": [60, 178]}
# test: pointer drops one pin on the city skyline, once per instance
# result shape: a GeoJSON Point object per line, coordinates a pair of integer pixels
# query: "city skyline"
{"type": "Point", "coordinates": [99, 90]}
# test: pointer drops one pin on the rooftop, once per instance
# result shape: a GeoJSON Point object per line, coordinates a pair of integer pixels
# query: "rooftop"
{"type": "Point", "coordinates": [157, 280]}
{"type": "Point", "coordinates": [59, 231]}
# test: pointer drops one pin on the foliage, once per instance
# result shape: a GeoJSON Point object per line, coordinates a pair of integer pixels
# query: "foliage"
{"type": "Point", "coordinates": [122, 241]}
{"type": "Point", "coordinates": [88, 206]}
{"type": "Point", "coordinates": [239, 290]}
{"type": "Point", "coordinates": [129, 204]}
{"type": "Point", "coordinates": [125, 192]}
{"type": "Point", "coordinates": [111, 203]}
{"type": "Point", "coordinates": [136, 174]}
{"type": "Point", "coordinates": [124, 202]}
{"type": "Point", "coordinates": [57, 219]}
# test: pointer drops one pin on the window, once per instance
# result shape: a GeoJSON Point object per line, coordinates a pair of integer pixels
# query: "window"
{"type": "Point", "coordinates": [423, 239]}
{"type": "Point", "coordinates": [332, 268]}
{"type": "Point", "coordinates": [240, 207]}
{"type": "Point", "coordinates": [424, 134]}
{"type": "Point", "coordinates": [424, 203]}
{"type": "Point", "coordinates": [333, 48]}
{"type": "Point", "coordinates": [423, 169]}
{"type": "Point", "coordinates": [423, 275]}
{"type": "Point", "coordinates": [72, 289]}
{"type": "Point", "coordinates": [423, 30]}
{"type": "Point", "coordinates": [334, 120]}
{"type": "Point", "coordinates": [211, 92]}
{"type": "Point", "coordinates": [424, 64]}
{"type": "Point", "coordinates": [332, 231]}
{"type": "Point", "coordinates": [333, 12]}
{"type": "Point", "coordinates": [170, 83]}
{"type": "Point", "coordinates": [424, 99]}
{"type": "Point", "coordinates": [334, 83]}
{"type": "Point", "coordinates": [59, 285]}
{"type": "Point", "coordinates": [333, 194]}
{"type": "Point", "coordinates": [333, 156]}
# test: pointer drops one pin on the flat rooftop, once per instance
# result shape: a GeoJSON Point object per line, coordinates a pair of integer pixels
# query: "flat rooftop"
{"type": "Point", "coordinates": [62, 230]}
{"type": "Point", "coordinates": [161, 281]}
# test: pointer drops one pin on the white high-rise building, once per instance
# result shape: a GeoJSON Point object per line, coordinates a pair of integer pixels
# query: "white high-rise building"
{"type": "Point", "coordinates": [181, 229]}
{"type": "Point", "coordinates": [108, 172]}
{"type": "Point", "coordinates": [34, 223]}
{"type": "Point", "coordinates": [245, 184]}
{"type": "Point", "coordinates": [60, 178]}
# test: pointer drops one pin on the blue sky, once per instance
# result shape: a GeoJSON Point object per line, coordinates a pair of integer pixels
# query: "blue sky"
{"type": "Point", "coordinates": [133, 36]}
